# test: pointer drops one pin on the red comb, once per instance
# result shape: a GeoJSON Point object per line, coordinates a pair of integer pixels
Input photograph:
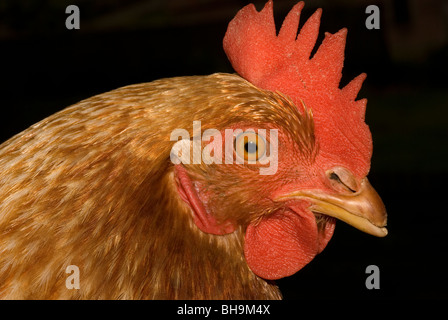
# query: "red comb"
{"type": "Point", "coordinates": [282, 63]}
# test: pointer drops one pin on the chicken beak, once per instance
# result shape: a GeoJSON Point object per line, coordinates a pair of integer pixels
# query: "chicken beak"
{"type": "Point", "coordinates": [362, 209]}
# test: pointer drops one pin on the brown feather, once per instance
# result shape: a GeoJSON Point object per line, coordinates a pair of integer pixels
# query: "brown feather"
{"type": "Point", "coordinates": [93, 186]}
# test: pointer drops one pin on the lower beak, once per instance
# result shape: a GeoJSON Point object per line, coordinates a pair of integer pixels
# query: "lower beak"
{"type": "Point", "coordinates": [363, 209]}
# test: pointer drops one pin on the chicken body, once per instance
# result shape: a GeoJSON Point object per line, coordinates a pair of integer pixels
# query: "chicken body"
{"type": "Point", "coordinates": [93, 186]}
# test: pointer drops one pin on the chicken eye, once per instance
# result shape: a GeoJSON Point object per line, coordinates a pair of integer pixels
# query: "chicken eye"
{"type": "Point", "coordinates": [250, 146]}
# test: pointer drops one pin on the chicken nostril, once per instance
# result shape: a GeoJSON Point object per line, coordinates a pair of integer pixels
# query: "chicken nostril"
{"type": "Point", "coordinates": [334, 176]}
{"type": "Point", "coordinates": [342, 180]}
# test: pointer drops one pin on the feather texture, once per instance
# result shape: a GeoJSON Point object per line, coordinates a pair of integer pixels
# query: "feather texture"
{"type": "Point", "coordinates": [93, 186]}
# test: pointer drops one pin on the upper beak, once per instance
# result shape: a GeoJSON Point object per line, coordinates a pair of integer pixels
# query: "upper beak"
{"type": "Point", "coordinates": [362, 209]}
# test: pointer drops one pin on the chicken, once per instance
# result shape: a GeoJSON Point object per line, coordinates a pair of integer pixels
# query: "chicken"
{"type": "Point", "coordinates": [96, 185]}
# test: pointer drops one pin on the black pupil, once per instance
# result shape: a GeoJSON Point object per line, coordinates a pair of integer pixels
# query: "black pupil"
{"type": "Point", "coordinates": [250, 147]}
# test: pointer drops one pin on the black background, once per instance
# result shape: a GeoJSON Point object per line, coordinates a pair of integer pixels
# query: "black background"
{"type": "Point", "coordinates": [45, 68]}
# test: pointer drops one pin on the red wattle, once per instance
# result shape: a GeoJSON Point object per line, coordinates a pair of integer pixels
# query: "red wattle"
{"type": "Point", "coordinates": [283, 243]}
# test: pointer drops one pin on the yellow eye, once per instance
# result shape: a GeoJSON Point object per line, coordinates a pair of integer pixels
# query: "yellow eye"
{"type": "Point", "coordinates": [250, 146]}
